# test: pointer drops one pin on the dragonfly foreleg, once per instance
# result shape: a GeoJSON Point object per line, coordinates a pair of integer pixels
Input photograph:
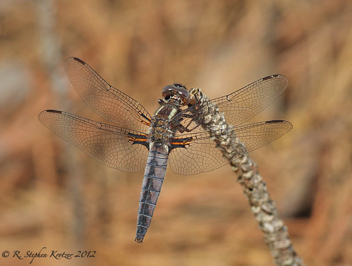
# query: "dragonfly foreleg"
{"type": "Point", "coordinates": [181, 128]}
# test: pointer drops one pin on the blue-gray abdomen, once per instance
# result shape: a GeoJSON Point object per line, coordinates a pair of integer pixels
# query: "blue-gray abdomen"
{"type": "Point", "coordinates": [153, 180]}
{"type": "Point", "coordinates": [159, 136]}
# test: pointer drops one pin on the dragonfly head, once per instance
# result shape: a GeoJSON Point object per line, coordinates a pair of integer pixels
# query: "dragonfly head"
{"type": "Point", "coordinates": [176, 92]}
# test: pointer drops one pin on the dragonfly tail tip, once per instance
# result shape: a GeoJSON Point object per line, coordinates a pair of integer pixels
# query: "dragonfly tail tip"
{"type": "Point", "coordinates": [139, 239]}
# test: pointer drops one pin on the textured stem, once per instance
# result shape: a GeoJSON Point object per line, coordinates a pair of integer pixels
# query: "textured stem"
{"type": "Point", "coordinates": [264, 208]}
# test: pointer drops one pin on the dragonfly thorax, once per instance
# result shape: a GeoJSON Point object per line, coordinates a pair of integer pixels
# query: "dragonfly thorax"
{"type": "Point", "coordinates": [160, 128]}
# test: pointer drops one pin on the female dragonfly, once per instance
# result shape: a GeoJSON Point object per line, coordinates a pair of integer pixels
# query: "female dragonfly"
{"type": "Point", "coordinates": [171, 135]}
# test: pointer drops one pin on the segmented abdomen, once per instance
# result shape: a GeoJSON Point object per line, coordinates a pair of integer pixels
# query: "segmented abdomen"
{"type": "Point", "coordinates": [153, 180]}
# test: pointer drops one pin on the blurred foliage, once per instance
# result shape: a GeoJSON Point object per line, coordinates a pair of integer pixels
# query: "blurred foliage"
{"type": "Point", "coordinates": [56, 196]}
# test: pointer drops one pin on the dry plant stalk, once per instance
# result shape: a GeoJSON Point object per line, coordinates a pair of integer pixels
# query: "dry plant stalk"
{"type": "Point", "coordinates": [264, 208]}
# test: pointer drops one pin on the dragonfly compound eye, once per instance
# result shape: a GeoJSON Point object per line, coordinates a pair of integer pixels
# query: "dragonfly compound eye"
{"type": "Point", "coordinates": [176, 91]}
{"type": "Point", "coordinates": [168, 91]}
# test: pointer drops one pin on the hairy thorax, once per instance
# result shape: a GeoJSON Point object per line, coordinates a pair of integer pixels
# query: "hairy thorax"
{"type": "Point", "coordinates": [160, 130]}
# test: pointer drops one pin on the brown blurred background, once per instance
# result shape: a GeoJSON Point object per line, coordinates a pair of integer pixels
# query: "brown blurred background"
{"type": "Point", "coordinates": [55, 196]}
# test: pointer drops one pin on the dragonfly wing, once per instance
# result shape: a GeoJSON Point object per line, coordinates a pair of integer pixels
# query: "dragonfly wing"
{"type": "Point", "coordinates": [195, 153]}
{"type": "Point", "coordinates": [238, 106]}
{"type": "Point", "coordinates": [104, 99]}
{"type": "Point", "coordinates": [257, 135]}
{"type": "Point", "coordinates": [245, 103]}
{"type": "Point", "coordinates": [113, 146]}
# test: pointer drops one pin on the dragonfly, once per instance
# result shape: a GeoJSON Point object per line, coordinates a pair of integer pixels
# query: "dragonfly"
{"type": "Point", "coordinates": [171, 135]}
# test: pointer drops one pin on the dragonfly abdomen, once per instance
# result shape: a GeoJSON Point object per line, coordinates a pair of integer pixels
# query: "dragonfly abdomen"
{"type": "Point", "coordinates": [153, 180]}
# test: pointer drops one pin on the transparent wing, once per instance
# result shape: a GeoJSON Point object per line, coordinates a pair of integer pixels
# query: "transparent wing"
{"type": "Point", "coordinates": [198, 155]}
{"type": "Point", "coordinates": [104, 99]}
{"type": "Point", "coordinates": [110, 145]}
{"type": "Point", "coordinates": [257, 135]}
{"type": "Point", "coordinates": [240, 105]}
{"type": "Point", "coordinates": [245, 103]}
{"type": "Point", "coordinates": [197, 152]}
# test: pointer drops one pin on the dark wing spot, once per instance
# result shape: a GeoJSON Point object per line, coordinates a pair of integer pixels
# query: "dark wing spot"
{"type": "Point", "coordinates": [271, 76]}
{"type": "Point", "coordinates": [78, 60]}
{"type": "Point", "coordinates": [274, 121]}
{"type": "Point", "coordinates": [53, 111]}
{"type": "Point", "coordinates": [268, 77]}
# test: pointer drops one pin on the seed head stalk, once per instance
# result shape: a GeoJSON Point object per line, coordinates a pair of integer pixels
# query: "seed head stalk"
{"type": "Point", "coordinates": [262, 206]}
